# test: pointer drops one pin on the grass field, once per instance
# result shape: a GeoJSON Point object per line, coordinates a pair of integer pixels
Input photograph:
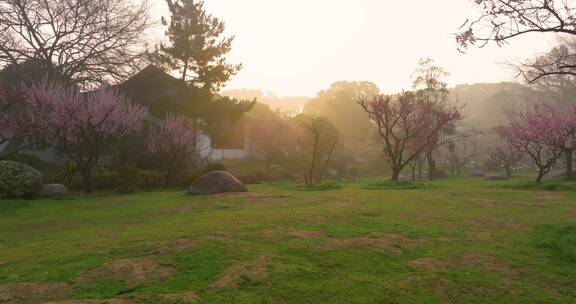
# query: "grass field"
{"type": "Point", "coordinates": [452, 241]}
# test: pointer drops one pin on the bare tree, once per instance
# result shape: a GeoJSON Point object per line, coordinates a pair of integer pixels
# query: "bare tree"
{"type": "Point", "coordinates": [460, 153]}
{"type": "Point", "coordinates": [556, 67]}
{"type": "Point", "coordinates": [268, 137]}
{"type": "Point", "coordinates": [428, 81]}
{"type": "Point", "coordinates": [500, 21]}
{"type": "Point", "coordinates": [323, 138]}
{"type": "Point", "coordinates": [85, 42]}
{"type": "Point", "coordinates": [507, 157]}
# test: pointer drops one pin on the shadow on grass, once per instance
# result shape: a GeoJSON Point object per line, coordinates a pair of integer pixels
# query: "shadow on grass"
{"type": "Point", "coordinates": [554, 185]}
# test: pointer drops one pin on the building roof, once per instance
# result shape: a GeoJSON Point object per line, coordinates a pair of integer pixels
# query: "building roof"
{"type": "Point", "coordinates": [161, 93]}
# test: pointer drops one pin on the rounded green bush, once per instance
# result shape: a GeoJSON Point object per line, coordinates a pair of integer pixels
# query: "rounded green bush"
{"type": "Point", "coordinates": [18, 180]}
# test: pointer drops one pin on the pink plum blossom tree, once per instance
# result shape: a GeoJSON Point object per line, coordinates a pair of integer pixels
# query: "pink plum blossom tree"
{"type": "Point", "coordinates": [176, 143]}
{"type": "Point", "coordinates": [81, 126]}
{"type": "Point", "coordinates": [407, 126]}
{"type": "Point", "coordinates": [537, 131]}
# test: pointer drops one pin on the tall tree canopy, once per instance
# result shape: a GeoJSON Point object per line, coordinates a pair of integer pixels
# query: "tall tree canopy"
{"type": "Point", "coordinates": [86, 42]}
{"type": "Point", "coordinates": [196, 48]}
{"type": "Point", "coordinates": [339, 105]}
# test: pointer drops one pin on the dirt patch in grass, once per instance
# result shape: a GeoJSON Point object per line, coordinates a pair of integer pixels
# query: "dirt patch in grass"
{"type": "Point", "coordinates": [109, 301]}
{"type": "Point", "coordinates": [282, 231]}
{"type": "Point", "coordinates": [219, 235]}
{"type": "Point", "coordinates": [305, 234]}
{"type": "Point", "coordinates": [478, 235]}
{"type": "Point", "coordinates": [272, 232]}
{"type": "Point", "coordinates": [488, 262]}
{"type": "Point", "coordinates": [310, 218]}
{"type": "Point", "coordinates": [233, 276]}
{"type": "Point", "coordinates": [134, 272]}
{"type": "Point", "coordinates": [173, 246]}
{"type": "Point", "coordinates": [189, 297]}
{"type": "Point", "coordinates": [392, 243]}
{"type": "Point", "coordinates": [342, 203]}
{"type": "Point", "coordinates": [33, 292]}
{"type": "Point", "coordinates": [548, 196]}
{"type": "Point", "coordinates": [484, 222]}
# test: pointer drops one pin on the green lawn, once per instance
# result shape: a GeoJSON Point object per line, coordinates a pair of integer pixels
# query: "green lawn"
{"type": "Point", "coordinates": [452, 241]}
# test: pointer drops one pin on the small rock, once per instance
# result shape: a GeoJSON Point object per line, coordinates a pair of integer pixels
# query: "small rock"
{"type": "Point", "coordinates": [50, 190]}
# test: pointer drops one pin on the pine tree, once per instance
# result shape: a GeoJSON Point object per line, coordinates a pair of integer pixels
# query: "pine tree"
{"type": "Point", "coordinates": [196, 48]}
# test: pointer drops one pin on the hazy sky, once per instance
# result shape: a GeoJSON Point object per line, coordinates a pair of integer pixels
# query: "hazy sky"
{"type": "Point", "coordinates": [298, 47]}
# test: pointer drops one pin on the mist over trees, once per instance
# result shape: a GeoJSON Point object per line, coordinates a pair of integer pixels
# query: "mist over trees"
{"type": "Point", "coordinates": [288, 104]}
{"type": "Point", "coordinates": [339, 104]}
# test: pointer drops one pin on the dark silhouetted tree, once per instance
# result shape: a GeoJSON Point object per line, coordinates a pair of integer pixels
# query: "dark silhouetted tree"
{"type": "Point", "coordinates": [320, 139]}
{"type": "Point", "coordinates": [500, 21]}
{"type": "Point", "coordinates": [506, 157]}
{"type": "Point", "coordinates": [84, 42]}
{"type": "Point", "coordinates": [196, 48]}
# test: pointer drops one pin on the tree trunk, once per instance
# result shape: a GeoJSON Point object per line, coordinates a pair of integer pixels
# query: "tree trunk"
{"type": "Point", "coordinates": [325, 166]}
{"type": "Point", "coordinates": [86, 173]}
{"type": "Point", "coordinates": [395, 174]}
{"type": "Point", "coordinates": [185, 71]}
{"type": "Point", "coordinates": [420, 166]}
{"type": "Point", "coordinates": [431, 165]}
{"type": "Point", "coordinates": [541, 174]}
{"type": "Point", "coordinates": [569, 163]}
{"type": "Point", "coordinates": [268, 164]}
{"type": "Point", "coordinates": [508, 171]}
{"type": "Point", "coordinates": [313, 165]}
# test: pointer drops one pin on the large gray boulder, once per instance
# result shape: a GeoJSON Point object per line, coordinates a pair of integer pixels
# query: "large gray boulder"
{"type": "Point", "coordinates": [216, 182]}
{"type": "Point", "coordinates": [50, 190]}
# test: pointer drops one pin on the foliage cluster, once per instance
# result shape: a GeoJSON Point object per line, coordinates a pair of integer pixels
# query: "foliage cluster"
{"type": "Point", "coordinates": [18, 180]}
